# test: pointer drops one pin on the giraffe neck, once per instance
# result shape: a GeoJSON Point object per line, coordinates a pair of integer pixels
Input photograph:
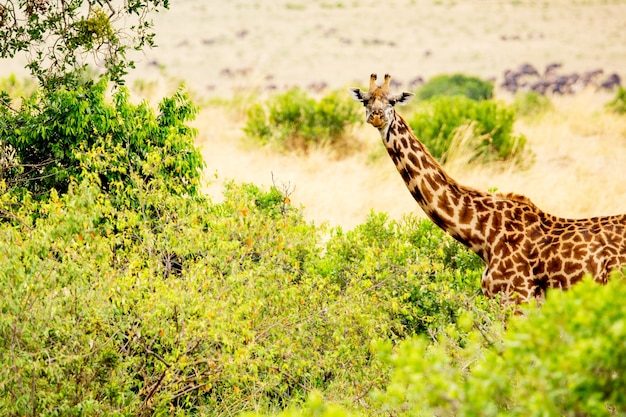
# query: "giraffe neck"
{"type": "Point", "coordinates": [448, 204]}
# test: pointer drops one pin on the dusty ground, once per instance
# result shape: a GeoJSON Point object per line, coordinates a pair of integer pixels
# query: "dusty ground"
{"type": "Point", "coordinates": [222, 47]}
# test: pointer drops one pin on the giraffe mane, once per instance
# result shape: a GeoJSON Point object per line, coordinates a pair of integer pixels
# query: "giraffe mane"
{"type": "Point", "coordinates": [519, 198]}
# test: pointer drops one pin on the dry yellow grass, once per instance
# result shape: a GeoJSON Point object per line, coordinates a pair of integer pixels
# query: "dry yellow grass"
{"type": "Point", "coordinates": [579, 168]}
{"type": "Point", "coordinates": [580, 161]}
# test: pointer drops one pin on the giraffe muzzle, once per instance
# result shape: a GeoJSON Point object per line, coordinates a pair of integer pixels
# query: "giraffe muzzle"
{"type": "Point", "coordinates": [376, 119]}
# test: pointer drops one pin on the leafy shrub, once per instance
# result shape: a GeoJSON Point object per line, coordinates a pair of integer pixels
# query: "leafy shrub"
{"type": "Point", "coordinates": [210, 309]}
{"type": "Point", "coordinates": [60, 135]}
{"type": "Point", "coordinates": [531, 104]}
{"type": "Point", "coordinates": [567, 358]}
{"type": "Point", "coordinates": [421, 274]}
{"type": "Point", "coordinates": [295, 121]}
{"type": "Point", "coordinates": [618, 104]}
{"type": "Point", "coordinates": [456, 85]}
{"type": "Point", "coordinates": [438, 120]}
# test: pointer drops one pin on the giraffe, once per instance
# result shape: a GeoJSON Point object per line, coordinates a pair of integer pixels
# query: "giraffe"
{"type": "Point", "coordinates": [526, 250]}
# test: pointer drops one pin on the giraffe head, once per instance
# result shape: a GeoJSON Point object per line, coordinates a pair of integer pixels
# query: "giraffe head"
{"type": "Point", "coordinates": [379, 102]}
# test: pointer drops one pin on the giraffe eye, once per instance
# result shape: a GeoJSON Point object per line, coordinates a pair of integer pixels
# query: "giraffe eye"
{"type": "Point", "coordinates": [392, 102]}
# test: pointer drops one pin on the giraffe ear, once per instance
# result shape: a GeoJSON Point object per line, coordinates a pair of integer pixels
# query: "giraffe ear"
{"type": "Point", "coordinates": [357, 94]}
{"type": "Point", "coordinates": [402, 98]}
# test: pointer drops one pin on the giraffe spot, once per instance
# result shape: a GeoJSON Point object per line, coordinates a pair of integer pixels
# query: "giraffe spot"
{"type": "Point", "coordinates": [428, 196]}
{"type": "Point", "coordinates": [466, 214]}
{"type": "Point", "coordinates": [432, 182]}
{"type": "Point", "coordinates": [481, 227]}
{"type": "Point", "coordinates": [517, 213]}
{"type": "Point", "coordinates": [500, 249]}
{"type": "Point", "coordinates": [522, 268]}
{"type": "Point", "coordinates": [487, 204]}
{"type": "Point", "coordinates": [439, 221]}
{"type": "Point", "coordinates": [418, 196]}
{"type": "Point", "coordinates": [571, 268]}
{"type": "Point", "coordinates": [515, 239]}
{"type": "Point", "coordinates": [567, 249]}
{"type": "Point", "coordinates": [539, 269]}
{"type": "Point", "coordinates": [411, 170]}
{"type": "Point", "coordinates": [444, 205]}
{"type": "Point", "coordinates": [402, 129]}
{"type": "Point", "coordinates": [530, 218]}
{"type": "Point", "coordinates": [529, 250]}
{"type": "Point", "coordinates": [549, 250]}
{"type": "Point", "coordinates": [579, 251]}
{"type": "Point", "coordinates": [455, 197]}
{"type": "Point", "coordinates": [559, 281]}
{"type": "Point", "coordinates": [413, 159]}
{"type": "Point", "coordinates": [535, 234]}
{"type": "Point", "coordinates": [613, 241]}
{"type": "Point", "coordinates": [404, 143]}
{"type": "Point", "coordinates": [406, 177]}
{"type": "Point", "coordinates": [554, 265]}
{"type": "Point", "coordinates": [514, 226]}
{"type": "Point", "coordinates": [540, 286]}
{"type": "Point", "coordinates": [546, 219]}
{"type": "Point", "coordinates": [496, 221]}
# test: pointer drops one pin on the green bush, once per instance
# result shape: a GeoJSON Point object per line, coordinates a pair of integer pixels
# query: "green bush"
{"type": "Point", "coordinates": [618, 104]}
{"type": "Point", "coordinates": [295, 121]}
{"type": "Point", "coordinates": [565, 359]}
{"type": "Point", "coordinates": [60, 135]}
{"type": "Point", "coordinates": [456, 85]}
{"type": "Point", "coordinates": [422, 276]}
{"type": "Point", "coordinates": [531, 104]}
{"type": "Point", "coordinates": [209, 309]}
{"type": "Point", "coordinates": [438, 120]}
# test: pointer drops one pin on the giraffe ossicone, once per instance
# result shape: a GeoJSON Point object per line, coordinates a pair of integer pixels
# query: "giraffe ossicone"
{"type": "Point", "coordinates": [526, 250]}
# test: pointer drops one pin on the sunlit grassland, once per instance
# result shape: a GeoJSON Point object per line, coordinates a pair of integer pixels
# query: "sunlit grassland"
{"type": "Point", "coordinates": [577, 167]}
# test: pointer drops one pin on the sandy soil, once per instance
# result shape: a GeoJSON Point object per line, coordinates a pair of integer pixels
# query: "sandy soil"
{"type": "Point", "coordinates": [222, 47]}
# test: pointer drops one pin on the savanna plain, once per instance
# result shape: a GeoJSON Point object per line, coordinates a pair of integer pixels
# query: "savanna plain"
{"type": "Point", "coordinates": [245, 51]}
{"type": "Point", "coordinates": [308, 284]}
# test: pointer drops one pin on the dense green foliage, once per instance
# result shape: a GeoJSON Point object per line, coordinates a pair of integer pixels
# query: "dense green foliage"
{"type": "Point", "coordinates": [60, 135]}
{"type": "Point", "coordinates": [192, 306]}
{"type": "Point", "coordinates": [618, 104]}
{"type": "Point", "coordinates": [566, 358]}
{"type": "Point", "coordinates": [456, 85]}
{"type": "Point", "coordinates": [437, 123]}
{"type": "Point", "coordinates": [58, 37]}
{"type": "Point", "coordinates": [295, 121]}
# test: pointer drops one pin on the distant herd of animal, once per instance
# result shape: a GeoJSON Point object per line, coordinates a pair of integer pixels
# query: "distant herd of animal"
{"type": "Point", "coordinates": [553, 80]}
